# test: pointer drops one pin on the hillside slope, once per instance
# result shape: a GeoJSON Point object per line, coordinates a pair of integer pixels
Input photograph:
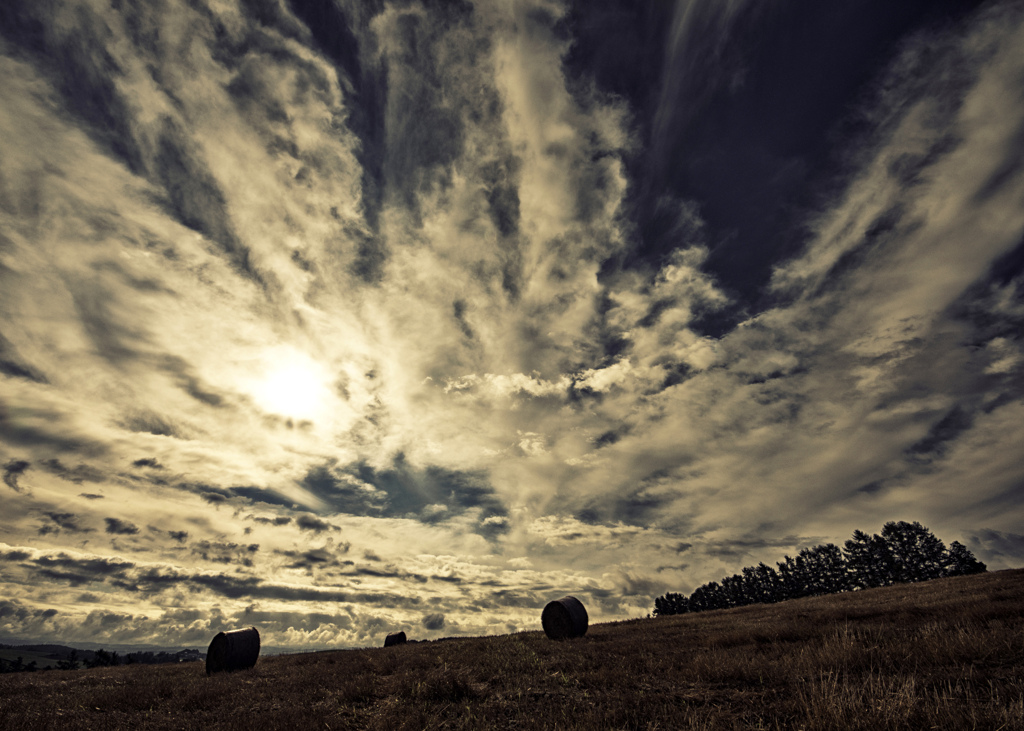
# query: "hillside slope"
{"type": "Point", "coordinates": [947, 654]}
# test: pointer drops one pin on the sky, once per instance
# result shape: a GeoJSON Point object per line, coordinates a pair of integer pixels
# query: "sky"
{"type": "Point", "coordinates": [339, 317]}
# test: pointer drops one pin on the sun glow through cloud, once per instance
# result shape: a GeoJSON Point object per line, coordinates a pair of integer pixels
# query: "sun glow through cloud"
{"type": "Point", "coordinates": [293, 385]}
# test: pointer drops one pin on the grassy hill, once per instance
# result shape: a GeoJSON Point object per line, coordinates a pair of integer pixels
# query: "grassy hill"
{"type": "Point", "coordinates": [947, 654]}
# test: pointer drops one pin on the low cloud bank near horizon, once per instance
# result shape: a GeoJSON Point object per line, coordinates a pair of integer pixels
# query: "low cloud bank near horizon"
{"type": "Point", "coordinates": [342, 321]}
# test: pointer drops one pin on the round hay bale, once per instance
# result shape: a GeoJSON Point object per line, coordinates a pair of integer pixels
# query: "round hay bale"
{"type": "Point", "coordinates": [395, 638]}
{"type": "Point", "coordinates": [564, 618]}
{"type": "Point", "coordinates": [234, 650]}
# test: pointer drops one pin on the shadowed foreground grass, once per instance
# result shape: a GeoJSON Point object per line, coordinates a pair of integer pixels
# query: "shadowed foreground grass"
{"type": "Point", "coordinates": [947, 654]}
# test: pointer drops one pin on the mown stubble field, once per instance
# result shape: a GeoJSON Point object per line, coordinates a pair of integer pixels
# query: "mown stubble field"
{"type": "Point", "coordinates": [947, 654]}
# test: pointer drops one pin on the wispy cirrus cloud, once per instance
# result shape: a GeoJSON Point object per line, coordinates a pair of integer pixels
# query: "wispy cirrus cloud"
{"type": "Point", "coordinates": [326, 281]}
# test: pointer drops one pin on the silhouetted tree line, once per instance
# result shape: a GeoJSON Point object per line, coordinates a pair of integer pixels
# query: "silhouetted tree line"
{"type": "Point", "coordinates": [902, 553]}
{"type": "Point", "coordinates": [17, 665]}
{"type": "Point", "coordinates": [99, 659]}
{"type": "Point", "coordinates": [103, 659]}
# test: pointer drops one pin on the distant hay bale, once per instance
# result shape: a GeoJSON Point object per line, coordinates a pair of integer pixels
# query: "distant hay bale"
{"type": "Point", "coordinates": [395, 638]}
{"type": "Point", "coordinates": [234, 650]}
{"type": "Point", "coordinates": [564, 618]}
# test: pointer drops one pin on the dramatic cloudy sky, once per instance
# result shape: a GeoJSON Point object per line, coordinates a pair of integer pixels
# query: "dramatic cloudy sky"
{"type": "Point", "coordinates": [339, 317]}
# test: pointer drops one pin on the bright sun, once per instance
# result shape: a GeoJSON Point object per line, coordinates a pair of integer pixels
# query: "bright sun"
{"type": "Point", "coordinates": [293, 385]}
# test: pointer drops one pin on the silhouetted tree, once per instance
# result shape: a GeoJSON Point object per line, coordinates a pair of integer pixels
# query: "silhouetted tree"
{"type": "Point", "coordinates": [959, 561]}
{"type": "Point", "coordinates": [823, 570]}
{"type": "Point", "coordinates": [885, 563]}
{"type": "Point", "coordinates": [859, 565]}
{"type": "Point", "coordinates": [708, 596]}
{"type": "Point", "coordinates": [102, 658]}
{"type": "Point", "coordinates": [917, 554]}
{"type": "Point", "coordinates": [670, 604]}
{"type": "Point", "coordinates": [732, 591]}
{"type": "Point", "coordinates": [761, 584]}
{"type": "Point", "coordinates": [792, 582]}
{"type": "Point", "coordinates": [70, 662]}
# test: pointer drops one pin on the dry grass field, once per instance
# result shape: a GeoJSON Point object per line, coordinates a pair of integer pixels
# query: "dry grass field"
{"type": "Point", "coordinates": [948, 654]}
